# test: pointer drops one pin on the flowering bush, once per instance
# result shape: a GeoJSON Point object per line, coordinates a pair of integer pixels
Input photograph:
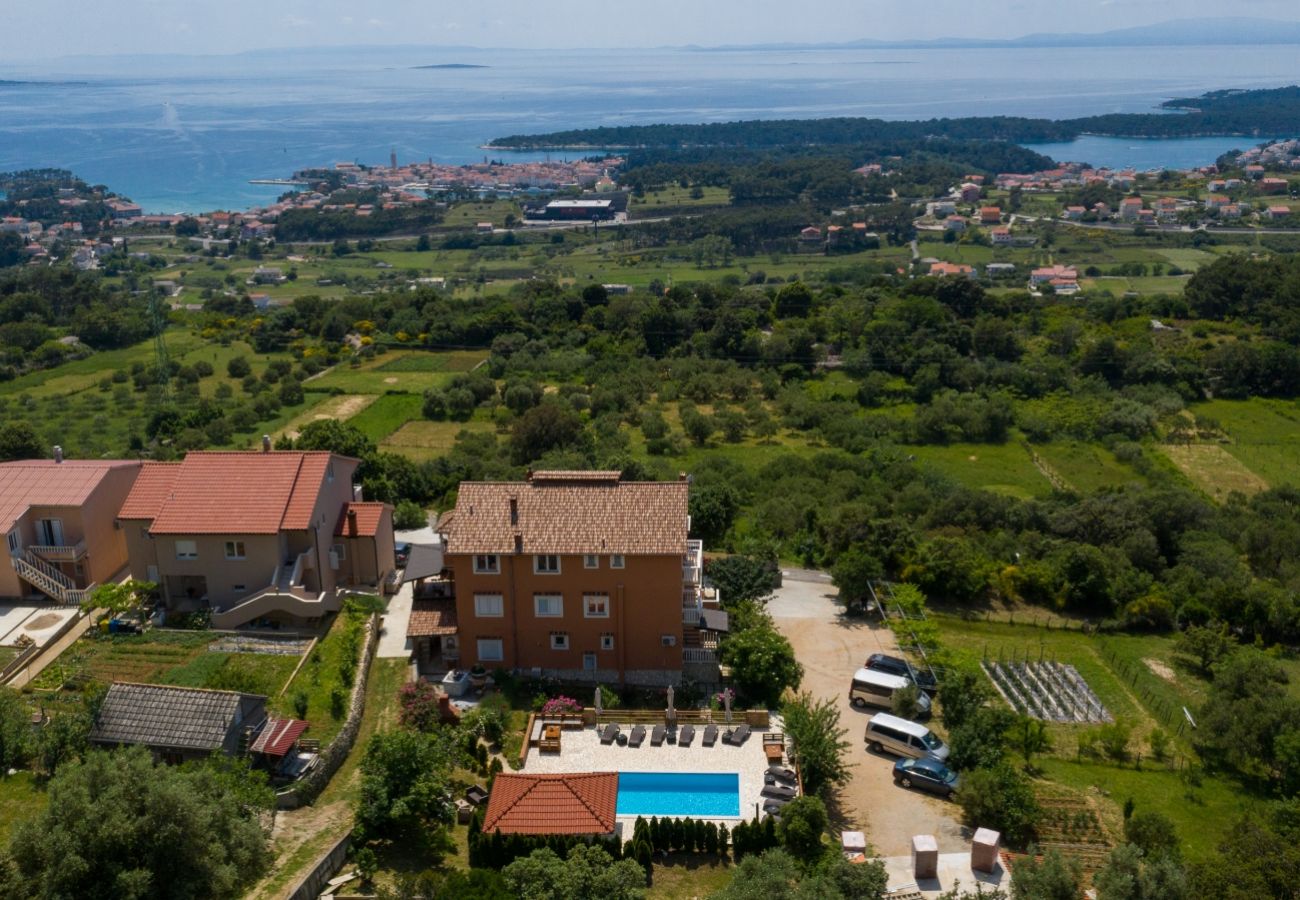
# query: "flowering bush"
{"type": "Point", "coordinates": [560, 705]}
{"type": "Point", "coordinates": [418, 701]}
{"type": "Point", "coordinates": [718, 700]}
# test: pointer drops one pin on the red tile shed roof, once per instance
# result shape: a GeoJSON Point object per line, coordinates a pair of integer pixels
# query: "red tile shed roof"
{"type": "Point", "coordinates": [552, 804]}
{"type": "Point", "coordinates": [232, 493]}
{"type": "Point", "coordinates": [369, 517]}
{"type": "Point", "coordinates": [43, 482]}
{"type": "Point", "coordinates": [278, 736]}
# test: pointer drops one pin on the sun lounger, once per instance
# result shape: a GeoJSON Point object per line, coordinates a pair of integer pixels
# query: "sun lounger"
{"type": "Point", "coordinates": [780, 791]}
{"type": "Point", "coordinates": [737, 737]}
{"type": "Point", "coordinates": [686, 735]}
{"type": "Point", "coordinates": [637, 738]}
{"type": "Point", "coordinates": [657, 736]}
{"type": "Point", "coordinates": [773, 808]}
{"type": "Point", "coordinates": [780, 773]}
{"type": "Point", "coordinates": [608, 734]}
{"type": "Point", "coordinates": [477, 795]}
{"type": "Point", "coordinates": [710, 735]}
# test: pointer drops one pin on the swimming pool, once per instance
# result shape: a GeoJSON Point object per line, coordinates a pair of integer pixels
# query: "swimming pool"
{"type": "Point", "coordinates": [697, 794]}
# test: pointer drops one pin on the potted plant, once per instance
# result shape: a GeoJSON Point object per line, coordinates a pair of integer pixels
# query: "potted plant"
{"type": "Point", "coordinates": [478, 676]}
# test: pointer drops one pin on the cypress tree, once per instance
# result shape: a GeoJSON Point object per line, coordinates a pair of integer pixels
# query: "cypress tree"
{"type": "Point", "coordinates": [723, 841]}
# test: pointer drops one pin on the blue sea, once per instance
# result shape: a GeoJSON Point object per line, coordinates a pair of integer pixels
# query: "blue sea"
{"type": "Point", "coordinates": [187, 134]}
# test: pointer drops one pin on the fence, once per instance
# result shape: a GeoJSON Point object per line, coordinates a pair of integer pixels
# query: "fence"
{"type": "Point", "coordinates": [1149, 688]}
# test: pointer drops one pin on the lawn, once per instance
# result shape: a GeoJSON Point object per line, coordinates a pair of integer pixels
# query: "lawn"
{"type": "Point", "coordinates": [320, 690]}
{"type": "Point", "coordinates": [387, 414]}
{"type": "Point", "coordinates": [422, 439]}
{"type": "Point", "coordinates": [1002, 468]}
{"type": "Point", "coordinates": [1214, 470]}
{"type": "Point", "coordinates": [333, 406]}
{"type": "Point", "coordinates": [253, 673]}
{"type": "Point", "coordinates": [423, 361]}
{"type": "Point", "coordinates": [371, 376]}
{"type": "Point", "coordinates": [683, 877]}
{"type": "Point", "coordinates": [1086, 467]}
{"type": "Point", "coordinates": [20, 799]}
{"type": "Point", "coordinates": [1264, 434]}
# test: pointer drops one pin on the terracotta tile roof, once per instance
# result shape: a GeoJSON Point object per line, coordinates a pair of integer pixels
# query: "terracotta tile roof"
{"type": "Point", "coordinates": [175, 718]}
{"type": "Point", "coordinates": [278, 736]}
{"type": "Point", "coordinates": [231, 493]}
{"type": "Point", "coordinates": [432, 617]}
{"type": "Point", "coordinates": [552, 804]}
{"type": "Point", "coordinates": [150, 490]}
{"type": "Point", "coordinates": [569, 513]}
{"type": "Point", "coordinates": [369, 516]}
{"type": "Point", "coordinates": [43, 482]}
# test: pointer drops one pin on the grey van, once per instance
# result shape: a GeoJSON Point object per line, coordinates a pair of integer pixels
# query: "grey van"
{"type": "Point", "coordinates": [890, 734]}
{"type": "Point", "coordinates": [874, 688]}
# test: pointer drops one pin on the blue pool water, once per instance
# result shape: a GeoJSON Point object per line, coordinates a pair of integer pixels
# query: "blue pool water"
{"type": "Point", "coordinates": [711, 795]}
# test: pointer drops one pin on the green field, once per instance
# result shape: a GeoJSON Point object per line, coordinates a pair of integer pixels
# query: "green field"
{"type": "Point", "coordinates": [421, 439]}
{"type": "Point", "coordinates": [323, 680]}
{"type": "Point", "coordinates": [1002, 468]}
{"type": "Point", "coordinates": [1086, 467]}
{"type": "Point", "coordinates": [371, 376]}
{"type": "Point", "coordinates": [1264, 435]}
{"type": "Point", "coordinates": [387, 414]}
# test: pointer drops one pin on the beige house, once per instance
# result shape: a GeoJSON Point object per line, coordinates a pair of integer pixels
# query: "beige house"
{"type": "Point", "coordinates": [269, 537]}
{"type": "Point", "coordinates": [59, 521]}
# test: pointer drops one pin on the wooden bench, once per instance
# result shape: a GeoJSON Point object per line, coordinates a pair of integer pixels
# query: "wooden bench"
{"type": "Point", "coordinates": [774, 747]}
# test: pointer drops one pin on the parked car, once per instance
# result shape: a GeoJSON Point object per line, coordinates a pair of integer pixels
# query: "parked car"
{"type": "Point", "coordinates": [902, 737]}
{"type": "Point", "coordinates": [897, 666]}
{"type": "Point", "coordinates": [402, 552]}
{"type": "Point", "coordinates": [872, 687]}
{"type": "Point", "coordinates": [927, 774]}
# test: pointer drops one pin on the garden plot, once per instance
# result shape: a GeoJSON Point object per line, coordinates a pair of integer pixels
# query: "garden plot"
{"type": "Point", "coordinates": [1051, 691]}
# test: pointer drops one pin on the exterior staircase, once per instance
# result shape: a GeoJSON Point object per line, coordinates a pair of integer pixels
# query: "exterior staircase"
{"type": "Point", "coordinates": [49, 580]}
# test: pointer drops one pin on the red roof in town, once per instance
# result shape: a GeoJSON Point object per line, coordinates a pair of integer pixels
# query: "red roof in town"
{"type": "Point", "coordinates": [432, 617]}
{"type": "Point", "coordinates": [43, 482]}
{"type": "Point", "coordinates": [552, 804]}
{"type": "Point", "coordinates": [279, 736]}
{"type": "Point", "coordinates": [369, 515]}
{"type": "Point", "coordinates": [231, 493]}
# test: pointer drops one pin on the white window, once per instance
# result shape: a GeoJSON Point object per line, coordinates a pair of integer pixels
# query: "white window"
{"type": "Point", "coordinates": [234, 549]}
{"type": "Point", "coordinates": [490, 650]}
{"type": "Point", "coordinates": [616, 560]}
{"type": "Point", "coordinates": [187, 550]}
{"type": "Point", "coordinates": [590, 561]}
{"type": "Point", "coordinates": [607, 642]}
{"type": "Point", "coordinates": [486, 564]}
{"type": "Point", "coordinates": [589, 662]}
{"type": "Point", "coordinates": [559, 641]}
{"type": "Point", "coordinates": [488, 606]}
{"type": "Point", "coordinates": [15, 541]}
{"type": "Point", "coordinates": [548, 606]}
{"type": "Point", "coordinates": [595, 606]}
{"type": "Point", "coordinates": [546, 564]}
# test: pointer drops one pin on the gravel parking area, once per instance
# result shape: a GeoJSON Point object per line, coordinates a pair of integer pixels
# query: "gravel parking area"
{"type": "Point", "coordinates": [831, 648]}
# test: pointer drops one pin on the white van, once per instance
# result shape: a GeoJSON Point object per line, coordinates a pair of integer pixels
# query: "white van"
{"type": "Point", "coordinates": [875, 688]}
{"type": "Point", "coordinates": [890, 734]}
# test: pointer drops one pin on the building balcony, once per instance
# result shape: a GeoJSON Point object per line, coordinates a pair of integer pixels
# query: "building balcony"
{"type": "Point", "coordinates": [693, 562]}
{"type": "Point", "coordinates": [60, 553]}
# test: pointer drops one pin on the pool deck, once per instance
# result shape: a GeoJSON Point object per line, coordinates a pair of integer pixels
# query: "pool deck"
{"type": "Point", "coordinates": [582, 751]}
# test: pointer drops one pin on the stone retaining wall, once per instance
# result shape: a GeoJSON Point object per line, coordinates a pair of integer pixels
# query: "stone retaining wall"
{"type": "Point", "coordinates": [307, 788]}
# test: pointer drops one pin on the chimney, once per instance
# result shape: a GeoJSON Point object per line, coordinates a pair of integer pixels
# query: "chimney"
{"type": "Point", "coordinates": [352, 523]}
{"type": "Point", "coordinates": [519, 543]}
{"type": "Point", "coordinates": [266, 443]}
{"type": "Point", "coordinates": [58, 454]}
{"type": "Point", "coordinates": [528, 476]}
{"type": "Point", "coordinates": [681, 476]}
{"type": "Point", "coordinates": [356, 493]}
{"type": "Point", "coordinates": [514, 511]}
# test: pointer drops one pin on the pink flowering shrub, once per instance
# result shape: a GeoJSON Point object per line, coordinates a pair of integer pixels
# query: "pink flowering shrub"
{"type": "Point", "coordinates": [561, 705]}
{"type": "Point", "coordinates": [418, 705]}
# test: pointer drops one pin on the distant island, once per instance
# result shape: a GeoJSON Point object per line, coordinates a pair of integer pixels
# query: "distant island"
{"type": "Point", "coordinates": [452, 66]}
{"type": "Point", "coordinates": [1273, 112]}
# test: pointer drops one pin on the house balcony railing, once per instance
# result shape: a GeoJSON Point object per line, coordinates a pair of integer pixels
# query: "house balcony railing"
{"type": "Point", "coordinates": [693, 562]}
{"type": "Point", "coordinates": [59, 553]}
{"type": "Point", "coordinates": [703, 655]}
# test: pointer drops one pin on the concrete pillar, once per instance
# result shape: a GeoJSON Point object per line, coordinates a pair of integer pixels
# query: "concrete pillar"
{"type": "Point", "coordinates": [925, 856]}
{"type": "Point", "coordinates": [984, 850]}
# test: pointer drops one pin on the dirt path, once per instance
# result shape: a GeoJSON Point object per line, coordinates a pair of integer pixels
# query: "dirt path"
{"type": "Point", "coordinates": [831, 647]}
{"type": "Point", "coordinates": [342, 408]}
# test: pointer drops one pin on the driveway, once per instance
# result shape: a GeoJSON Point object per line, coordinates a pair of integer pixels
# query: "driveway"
{"type": "Point", "coordinates": [392, 636]}
{"type": "Point", "coordinates": [831, 648]}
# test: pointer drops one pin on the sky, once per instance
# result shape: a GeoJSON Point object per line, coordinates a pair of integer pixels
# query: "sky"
{"type": "Point", "coordinates": [54, 28]}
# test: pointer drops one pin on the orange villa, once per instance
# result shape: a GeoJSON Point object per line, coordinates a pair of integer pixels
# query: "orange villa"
{"type": "Point", "coordinates": [581, 576]}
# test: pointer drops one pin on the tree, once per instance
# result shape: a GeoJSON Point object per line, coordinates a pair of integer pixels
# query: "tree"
{"type": "Point", "coordinates": [763, 663]}
{"type": "Point", "coordinates": [1129, 874]}
{"type": "Point", "coordinates": [818, 741]}
{"type": "Point", "coordinates": [698, 427]}
{"type": "Point", "coordinates": [405, 784]}
{"type": "Point", "coordinates": [409, 515]}
{"type": "Point", "coordinates": [999, 798]}
{"type": "Point", "coordinates": [803, 825]}
{"type": "Point", "coordinates": [776, 874]}
{"type": "Point", "coordinates": [18, 440]}
{"type": "Point", "coordinates": [588, 873]}
{"type": "Point", "coordinates": [981, 740]}
{"type": "Point", "coordinates": [335, 437]}
{"type": "Point", "coordinates": [1206, 645]}
{"type": "Point", "coordinates": [238, 367]}
{"type": "Point", "coordinates": [546, 427]}
{"type": "Point", "coordinates": [121, 600]}
{"type": "Point", "coordinates": [742, 577]}
{"type": "Point", "coordinates": [116, 826]}
{"type": "Point", "coordinates": [963, 692]}
{"type": "Point", "coordinates": [16, 742]}
{"type": "Point", "coordinates": [713, 507]}
{"type": "Point", "coordinates": [1029, 736]}
{"type": "Point", "coordinates": [1054, 878]}
{"type": "Point", "coordinates": [853, 574]}
{"type": "Point", "coordinates": [1152, 832]}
